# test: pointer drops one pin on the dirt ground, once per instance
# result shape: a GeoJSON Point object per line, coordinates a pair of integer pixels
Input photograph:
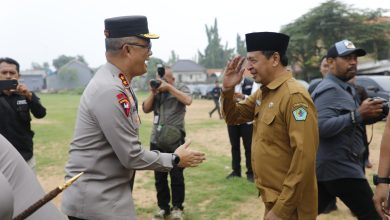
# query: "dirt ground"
{"type": "Point", "coordinates": [217, 141]}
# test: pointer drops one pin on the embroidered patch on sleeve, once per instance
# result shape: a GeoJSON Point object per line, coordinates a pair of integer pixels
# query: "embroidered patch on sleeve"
{"type": "Point", "coordinates": [300, 114]}
{"type": "Point", "coordinates": [125, 103]}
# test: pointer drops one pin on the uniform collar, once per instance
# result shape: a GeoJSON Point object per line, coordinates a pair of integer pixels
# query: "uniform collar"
{"type": "Point", "coordinates": [116, 73]}
{"type": "Point", "coordinates": [338, 81]}
{"type": "Point", "coordinates": [280, 80]}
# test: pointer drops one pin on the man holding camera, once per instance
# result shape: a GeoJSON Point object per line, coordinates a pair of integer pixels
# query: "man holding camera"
{"type": "Point", "coordinates": [168, 103]}
{"type": "Point", "coordinates": [16, 103]}
{"type": "Point", "coordinates": [341, 122]}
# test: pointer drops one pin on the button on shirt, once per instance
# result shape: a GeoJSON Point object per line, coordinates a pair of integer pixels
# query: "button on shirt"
{"type": "Point", "coordinates": [341, 141]}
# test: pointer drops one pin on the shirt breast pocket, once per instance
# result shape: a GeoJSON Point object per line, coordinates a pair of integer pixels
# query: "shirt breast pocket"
{"type": "Point", "coordinates": [268, 118]}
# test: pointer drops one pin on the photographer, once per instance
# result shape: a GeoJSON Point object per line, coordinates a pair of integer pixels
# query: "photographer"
{"type": "Point", "coordinates": [15, 107]}
{"type": "Point", "coordinates": [341, 121]}
{"type": "Point", "coordinates": [168, 103]}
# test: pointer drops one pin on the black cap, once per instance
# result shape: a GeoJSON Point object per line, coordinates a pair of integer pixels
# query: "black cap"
{"type": "Point", "coordinates": [344, 48]}
{"type": "Point", "coordinates": [126, 26]}
{"type": "Point", "coordinates": [267, 41]}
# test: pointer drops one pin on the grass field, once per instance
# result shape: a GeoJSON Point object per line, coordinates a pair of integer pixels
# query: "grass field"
{"type": "Point", "coordinates": [208, 194]}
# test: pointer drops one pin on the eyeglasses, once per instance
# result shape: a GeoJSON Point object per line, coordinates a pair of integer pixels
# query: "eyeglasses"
{"type": "Point", "coordinates": [147, 46]}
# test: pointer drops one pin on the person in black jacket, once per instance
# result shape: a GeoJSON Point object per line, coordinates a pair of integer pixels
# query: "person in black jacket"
{"type": "Point", "coordinates": [15, 107]}
{"type": "Point", "coordinates": [216, 93]}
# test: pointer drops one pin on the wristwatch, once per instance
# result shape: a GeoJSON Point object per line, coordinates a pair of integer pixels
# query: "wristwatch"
{"type": "Point", "coordinates": [175, 160]}
{"type": "Point", "coordinates": [377, 180]}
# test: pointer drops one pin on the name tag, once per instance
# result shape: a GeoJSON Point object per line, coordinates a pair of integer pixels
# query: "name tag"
{"type": "Point", "coordinates": [156, 119]}
{"type": "Point", "coordinates": [21, 102]}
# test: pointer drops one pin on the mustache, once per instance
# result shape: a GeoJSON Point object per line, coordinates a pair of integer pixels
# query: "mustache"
{"type": "Point", "coordinates": [353, 68]}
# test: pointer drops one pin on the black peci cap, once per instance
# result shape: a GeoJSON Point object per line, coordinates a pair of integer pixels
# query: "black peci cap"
{"type": "Point", "coordinates": [126, 26]}
{"type": "Point", "coordinates": [344, 48]}
{"type": "Point", "coordinates": [267, 41]}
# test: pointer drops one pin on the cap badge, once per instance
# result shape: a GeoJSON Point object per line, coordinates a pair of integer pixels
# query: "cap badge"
{"type": "Point", "coordinates": [349, 45]}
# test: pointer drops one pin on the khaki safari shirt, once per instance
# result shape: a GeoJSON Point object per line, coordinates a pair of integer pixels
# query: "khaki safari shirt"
{"type": "Point", "coordinates": [284, 144]}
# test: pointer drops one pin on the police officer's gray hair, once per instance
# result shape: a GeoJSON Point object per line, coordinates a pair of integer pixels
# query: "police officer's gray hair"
{"type": "Point", "coordinates": [114, 45]}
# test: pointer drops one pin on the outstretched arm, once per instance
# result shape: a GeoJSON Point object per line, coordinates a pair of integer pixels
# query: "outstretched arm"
{"type": "Point", "coordinates": [382, 190]}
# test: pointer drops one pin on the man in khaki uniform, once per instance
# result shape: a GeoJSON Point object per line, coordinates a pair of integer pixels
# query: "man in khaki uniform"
{"type": "Point", "coordinates": [285, 130]}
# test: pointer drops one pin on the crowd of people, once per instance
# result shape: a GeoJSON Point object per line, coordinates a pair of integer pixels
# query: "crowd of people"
{"type": "Point", "coordinates": [303, 150]}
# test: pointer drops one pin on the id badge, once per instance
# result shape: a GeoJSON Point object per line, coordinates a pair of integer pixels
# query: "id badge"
{"type": "Point", "coordinates": [156, 119]}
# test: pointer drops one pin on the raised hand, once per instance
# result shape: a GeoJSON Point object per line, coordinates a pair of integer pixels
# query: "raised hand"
{"type": "Point", "coordinates": [189, 158]}
{"type": "Point", "coordinates": [233, 73]}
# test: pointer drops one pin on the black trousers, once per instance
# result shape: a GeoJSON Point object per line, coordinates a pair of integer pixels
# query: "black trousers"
{"type": "Point", "coordinates": [162, 187]}
{"type": "Point", "coordinates": [177, 188]}
{"type": "Point", "coordinates": [355, 193]}
{"type": "Point", "coordinates": [217, 107]}
{"type": "Point", "coordinates": [235, 133]}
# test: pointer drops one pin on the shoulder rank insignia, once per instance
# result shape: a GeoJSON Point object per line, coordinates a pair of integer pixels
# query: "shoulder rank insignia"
{"type": "Point", "coordinates": [300, 114]}
{"type": "Point", "coordinates": [122, 77]}
{"type": "Point", "coordinates": [124, 102]}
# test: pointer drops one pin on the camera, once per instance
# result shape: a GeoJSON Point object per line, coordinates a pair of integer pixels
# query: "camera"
{"type": "Point", "coordinates": [8, 84]}
{"type": "Point", "coordinates": [160, 70]}
{"type": "Point", "coordinates": [385, 108]}
{"type": "Point", "coordinates": [154, 83]}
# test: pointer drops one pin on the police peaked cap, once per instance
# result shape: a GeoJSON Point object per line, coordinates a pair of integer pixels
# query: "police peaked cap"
{"type": "Point", "coordinates": [126, 26]}
{"type": "Point", "coordinates": [267, 41]}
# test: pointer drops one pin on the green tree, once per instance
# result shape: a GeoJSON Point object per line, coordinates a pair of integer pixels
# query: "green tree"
{"type": "Point", "coordinates": [63, 59]}
{"type": "Point", "coordinates": [215, 55]}
{"type": "Point", "coordinates": [315, 32]}
{"type": "Point", "coordinates": [173, 58]}
{"type": "Point", "coordinates": [240, 46]}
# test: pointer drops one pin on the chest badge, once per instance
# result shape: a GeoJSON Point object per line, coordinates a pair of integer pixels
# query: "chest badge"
{"type": "Point", "coordinates": [300, 114]}
{"type": "Point", "coordinates": [122, 77]}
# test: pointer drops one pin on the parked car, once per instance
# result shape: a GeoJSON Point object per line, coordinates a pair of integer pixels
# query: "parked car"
{"type": "Point", "coordinates": [201, 90]}
{"type": "Point", "coordinates": [376, 86]}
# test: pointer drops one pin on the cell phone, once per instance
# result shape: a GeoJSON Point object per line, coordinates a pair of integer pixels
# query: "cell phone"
{"type": "Point", "coordinates": [8, 84]}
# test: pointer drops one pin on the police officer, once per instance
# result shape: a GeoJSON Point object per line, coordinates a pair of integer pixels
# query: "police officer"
{"type": "Point", "coordinates": [106, 144]}
{"type": "Point", "coordinates": [15, 108]}
{"type": "Point", "coordinates": [21, 188]}
{"type": "Point", "coordinates": [285, 134]}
